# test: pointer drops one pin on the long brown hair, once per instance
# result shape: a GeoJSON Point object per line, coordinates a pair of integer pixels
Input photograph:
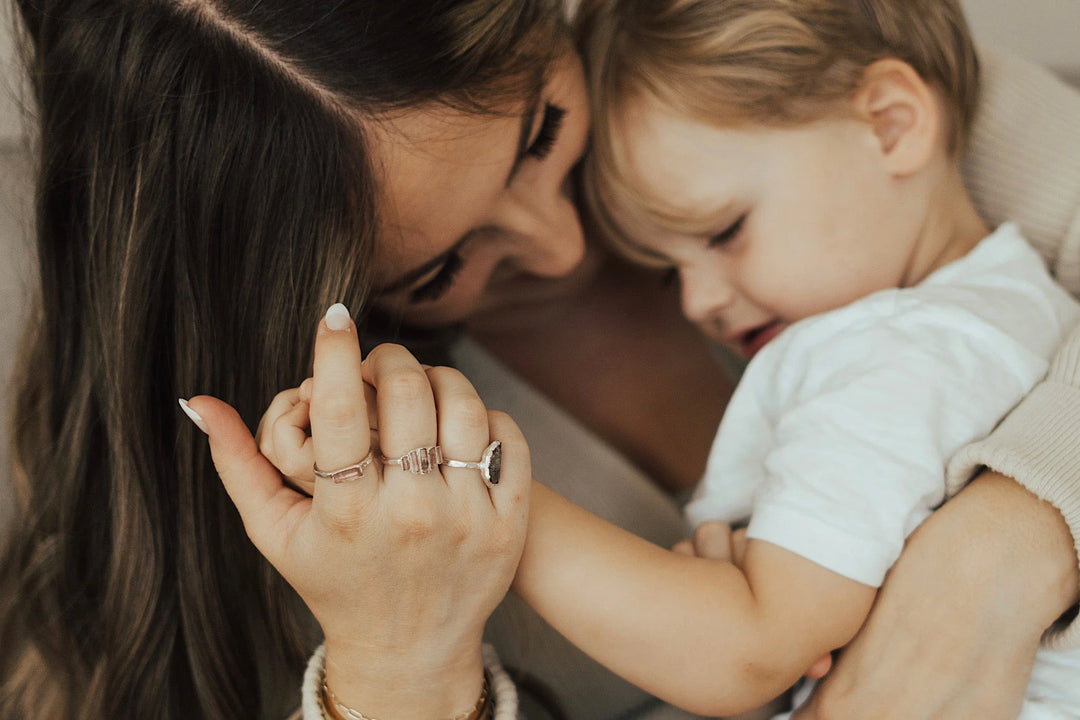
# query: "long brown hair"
{"type": "Point", "coordinates": [204, 191]}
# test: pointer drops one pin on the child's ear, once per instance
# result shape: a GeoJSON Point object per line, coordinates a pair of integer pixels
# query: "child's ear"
{"type": "Point", "coordinates": [903, 113]}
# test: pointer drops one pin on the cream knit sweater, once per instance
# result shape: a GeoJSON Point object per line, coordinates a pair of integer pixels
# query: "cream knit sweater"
{"type": "Point", "coordinates": [1025, 166]}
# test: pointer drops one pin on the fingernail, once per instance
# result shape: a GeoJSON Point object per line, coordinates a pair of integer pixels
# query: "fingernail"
{"type": "Point", "coordinates": [337, 317]}
{"type": "Point", "coordinates": [195, 417]}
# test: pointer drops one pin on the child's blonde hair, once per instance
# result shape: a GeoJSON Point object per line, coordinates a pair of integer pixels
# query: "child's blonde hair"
{"type": "Point", "coordinates": [777, 62]}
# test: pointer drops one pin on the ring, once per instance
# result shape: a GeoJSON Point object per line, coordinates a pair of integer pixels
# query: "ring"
{"type": "Point", "coordinates": [420, 461]}
{"type": "Point", "coordinates": [490, 465]}
{"type": "Point", "coordinates": [345, 474]}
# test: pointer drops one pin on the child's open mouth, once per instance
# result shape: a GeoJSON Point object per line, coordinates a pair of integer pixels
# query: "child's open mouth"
{"type": "Point", "coordinates": [756, 338]}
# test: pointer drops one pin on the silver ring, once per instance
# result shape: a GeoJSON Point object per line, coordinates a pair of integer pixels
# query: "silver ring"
{"type": "Point", "coordinates": [348, 473]}
{"type": "Point", "coordinates": [419, 461]}
{"type": "Point", "coordinates": [490, 465]}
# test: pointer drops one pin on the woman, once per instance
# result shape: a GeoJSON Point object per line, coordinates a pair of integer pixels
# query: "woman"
{"type": "Point", "coordinates": [411, 159]}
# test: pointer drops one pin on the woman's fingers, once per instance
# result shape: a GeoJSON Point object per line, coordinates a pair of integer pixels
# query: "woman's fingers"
{"type": "Point", "coordinates": [339, 422]}
{"type": "Point", "coordinates": [405, 403]}
{"type": "Point", "coordinates": [369, 397]}
{"type": "Point", "coordinates": [511, 495]}
{"type": "Point", "coordinates": [340, 428]}
{"type": "Point", "coordinates": [463, 434]}
{"type": "Point", "coordinates": [269, 509]}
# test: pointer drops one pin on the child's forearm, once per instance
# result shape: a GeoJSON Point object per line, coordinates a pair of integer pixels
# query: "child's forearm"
{"type": "Point", "coordinates": [695, 632]}
{"type": "Point", "coordinates": [638, 609]}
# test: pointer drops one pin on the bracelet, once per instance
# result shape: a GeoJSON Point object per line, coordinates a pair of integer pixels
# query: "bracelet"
{"type": "Point", "coordinates": [334, 708]}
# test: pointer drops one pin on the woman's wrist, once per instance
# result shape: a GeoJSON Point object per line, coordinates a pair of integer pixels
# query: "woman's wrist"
{"type": "Point", "coordinates": [334, 709]}
{"type": "Point", "coordinates": [1017, 542]}
{"type": "Point", "coordinates": [397, 686]}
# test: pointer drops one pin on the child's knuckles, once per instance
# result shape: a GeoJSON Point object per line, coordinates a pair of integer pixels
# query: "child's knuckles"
{"type": "Point", "coordinates": [298, 470]}
{"type": "Point", "coordinates": [266, 446]}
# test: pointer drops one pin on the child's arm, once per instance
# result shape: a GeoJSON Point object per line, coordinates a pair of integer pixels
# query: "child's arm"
{"type": "Point", "coordinates": [701, 634]}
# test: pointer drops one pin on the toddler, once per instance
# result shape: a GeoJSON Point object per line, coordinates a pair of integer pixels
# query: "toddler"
{"type": "Point", "coordinates": [796, 163]}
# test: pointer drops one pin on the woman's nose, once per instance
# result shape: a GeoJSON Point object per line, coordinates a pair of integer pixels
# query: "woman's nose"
{"type": "Point", "coordinates": [705, 296]}
{"type": "Point", "coordinates": [548, 229]}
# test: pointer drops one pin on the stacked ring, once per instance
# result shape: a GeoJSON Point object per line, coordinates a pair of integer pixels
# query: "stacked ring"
{"type": "Point", "coordinates": [420, 461]}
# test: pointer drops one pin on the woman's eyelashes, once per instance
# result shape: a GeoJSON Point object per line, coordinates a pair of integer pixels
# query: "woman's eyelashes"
{"type": "Point", "coordinates": [727, 234]}
{"type": "Point", "coordinates": [440, 283]}
{"type": "Point", "coordinates": [549, 132]}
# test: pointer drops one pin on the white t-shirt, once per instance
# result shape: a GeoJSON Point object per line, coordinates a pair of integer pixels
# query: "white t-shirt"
{"type": "Point", "coordinates": [839, 432]}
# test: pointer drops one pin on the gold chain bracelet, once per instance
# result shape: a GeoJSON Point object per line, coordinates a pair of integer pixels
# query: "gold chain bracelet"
{"type": "Point", "coordinates": [480, 711]}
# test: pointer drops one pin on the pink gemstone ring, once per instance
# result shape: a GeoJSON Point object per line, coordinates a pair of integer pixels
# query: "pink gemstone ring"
{"type": "Point", "coordinates": [348, 473]}
{"type": "Point", "coordinates": [419, 461]}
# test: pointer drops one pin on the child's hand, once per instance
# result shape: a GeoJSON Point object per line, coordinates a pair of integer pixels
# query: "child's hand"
{"type": "Point", "coordinates": [716, 541]}
{"type": "Point", "coordinates": [284, 433]}
{"type": "Point", "coordinates": [287, 424]}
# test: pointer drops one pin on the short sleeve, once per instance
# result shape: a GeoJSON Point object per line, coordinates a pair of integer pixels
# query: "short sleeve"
{"type": "Point", "coordinates": [859, 452]}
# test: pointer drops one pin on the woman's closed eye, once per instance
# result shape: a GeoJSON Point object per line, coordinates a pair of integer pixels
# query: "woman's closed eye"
{"type": "Point", "coordinates": [550, 126]}
{"type": "Point", "coordinates": [440, 283]}
{"type": "Point", "coordinates": [727, 234]}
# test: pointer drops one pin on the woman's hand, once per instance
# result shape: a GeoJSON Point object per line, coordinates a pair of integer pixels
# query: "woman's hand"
{"type": "Point", "coordinates": [956, 626]}
{"type": "Point", "coordinates": [401, 570]}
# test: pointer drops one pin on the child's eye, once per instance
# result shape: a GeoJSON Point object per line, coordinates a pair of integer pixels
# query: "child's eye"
{"type": "Point", "coordinates": [440, 283]}
{"type": "Point", "coordinates": [549, 132]}
{"type": "Point", "coordinates": [727, 234]}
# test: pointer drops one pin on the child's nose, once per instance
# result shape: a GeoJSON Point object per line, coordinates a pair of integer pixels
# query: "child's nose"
{"type": "Point", "coordinates": [705, 296]}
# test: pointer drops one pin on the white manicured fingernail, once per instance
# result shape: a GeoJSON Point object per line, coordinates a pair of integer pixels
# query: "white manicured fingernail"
{"type": "Point", "coordinates": [195, 417]}
{"type": "Point", "coordinates": [337, 317]}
